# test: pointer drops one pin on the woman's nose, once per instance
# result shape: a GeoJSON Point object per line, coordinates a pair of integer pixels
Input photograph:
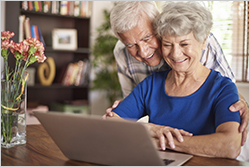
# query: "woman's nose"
{"type": "Point", "coordinates": [176, 52]}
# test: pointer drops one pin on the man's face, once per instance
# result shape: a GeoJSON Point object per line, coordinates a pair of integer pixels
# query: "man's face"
{"type": "Point", "coordinates": [142, 43]}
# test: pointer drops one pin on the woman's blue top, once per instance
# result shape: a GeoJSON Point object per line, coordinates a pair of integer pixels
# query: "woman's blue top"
{"type": "Point", "coordinates": [199, 113]}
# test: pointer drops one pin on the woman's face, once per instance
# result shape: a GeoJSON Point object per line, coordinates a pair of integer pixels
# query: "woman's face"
{"type": "Point", "coordinates": [182, 53]}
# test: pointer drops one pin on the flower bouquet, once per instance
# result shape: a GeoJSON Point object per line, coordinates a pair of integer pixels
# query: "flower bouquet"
{"type": "Point", "coordinates": [13, 86]}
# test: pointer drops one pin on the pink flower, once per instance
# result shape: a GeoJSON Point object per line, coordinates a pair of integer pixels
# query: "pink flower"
{"type": "Point", "coordinates": [6, 35]}
{"type": "Point", "coordinates": [5, 44]}
{"type": "Point", "coordinates": [21, 48]}
{"type": "Point", "coordinates": [39, 54]}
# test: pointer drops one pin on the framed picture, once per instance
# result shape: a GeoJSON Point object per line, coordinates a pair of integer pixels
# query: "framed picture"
{"type": "Point", "coordinates": [64, 39]}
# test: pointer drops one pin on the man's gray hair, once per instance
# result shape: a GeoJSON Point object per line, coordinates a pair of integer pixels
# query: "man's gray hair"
{"type": "Point", "coordinates": [181, 18]}
{"type": "Point", "coordinates": [126, 15]}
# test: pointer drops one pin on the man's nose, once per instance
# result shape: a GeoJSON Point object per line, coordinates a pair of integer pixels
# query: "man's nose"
{"type": "Point", "coordinates": [143, 49]}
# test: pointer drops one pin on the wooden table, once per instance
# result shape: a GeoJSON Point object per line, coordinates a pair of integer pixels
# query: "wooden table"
{"type": "Point", "coordinates": [40, 150]}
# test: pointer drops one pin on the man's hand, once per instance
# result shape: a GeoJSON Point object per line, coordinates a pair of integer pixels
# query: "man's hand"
{"type": "Point", "coordinates": [109, 110]}
{"type": "Point", "coordinates": [243, 108]}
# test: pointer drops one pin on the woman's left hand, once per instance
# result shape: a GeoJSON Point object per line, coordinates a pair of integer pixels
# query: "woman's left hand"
{"type": "Point", "coordinates": [165, 134]}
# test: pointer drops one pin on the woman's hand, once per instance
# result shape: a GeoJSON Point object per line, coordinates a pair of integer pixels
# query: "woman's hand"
{"type": "Point", "coordinates": [109, 112]}
{"type": "Point", "coordinates": [165, 134]}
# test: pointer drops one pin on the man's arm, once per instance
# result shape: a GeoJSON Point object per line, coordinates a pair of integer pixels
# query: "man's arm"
{"type": "Point", "coordinates": [243, 108]}
{"type": "Point", "coordinates": [214, 58]}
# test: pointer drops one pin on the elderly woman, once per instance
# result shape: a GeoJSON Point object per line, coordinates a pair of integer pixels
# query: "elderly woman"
{"type": "Point", "coordinates": [189, 96]}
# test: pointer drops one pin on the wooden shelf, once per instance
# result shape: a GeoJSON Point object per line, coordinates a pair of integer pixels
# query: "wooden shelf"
{"type": "Point", "coordinates": [47, 22]}
{"type": "Point", "coordinates": [79, 50]}
{"type": "Point", "coordinates": [57, 86]}
{"type": "Point", "coordinates": [30, 12]}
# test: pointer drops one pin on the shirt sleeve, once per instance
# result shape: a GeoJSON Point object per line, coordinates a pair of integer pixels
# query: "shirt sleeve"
{"type": "Point", "coordinates": [122, 69]}
{"type": "Point", "coordinates": [214, 58]}
{"type": "Point", "coordinates": [227, 96]}
{"type": "Point", "coordinates": [133, 106]}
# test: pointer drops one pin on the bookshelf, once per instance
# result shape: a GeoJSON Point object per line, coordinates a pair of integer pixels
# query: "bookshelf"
{"type": "Point", "coordinates": [45, 95]}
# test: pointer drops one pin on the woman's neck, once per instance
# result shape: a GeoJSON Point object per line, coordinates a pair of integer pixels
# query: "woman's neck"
{"type": "Point", "coordinates": [186, 83]}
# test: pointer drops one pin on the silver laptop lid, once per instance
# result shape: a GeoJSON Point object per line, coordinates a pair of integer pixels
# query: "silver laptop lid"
{"type": "Point", "coordinates": [92, 139]}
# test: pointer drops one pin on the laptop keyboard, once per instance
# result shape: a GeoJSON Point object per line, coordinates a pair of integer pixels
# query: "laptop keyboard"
{"type": "Point", "coordinates": [168, 161]}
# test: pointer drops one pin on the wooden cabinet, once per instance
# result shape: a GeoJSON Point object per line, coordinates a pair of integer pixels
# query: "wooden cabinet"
{"type": "Point", "coordinates": [47, 22]}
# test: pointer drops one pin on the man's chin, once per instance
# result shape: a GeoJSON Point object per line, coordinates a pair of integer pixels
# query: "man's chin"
{"type": "Point", "coordinates": [152, 64]}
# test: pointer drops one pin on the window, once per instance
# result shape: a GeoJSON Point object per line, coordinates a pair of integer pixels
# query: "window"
{"type": "Point", "coordinates": [231, 28]}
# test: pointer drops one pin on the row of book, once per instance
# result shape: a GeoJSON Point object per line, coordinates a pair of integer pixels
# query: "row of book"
{"type": "Point", "coordinates": [75, 74]}
{"type": "Point", "coordinates": [26, 30]}
{"type": "Point", "coordinates": [72, 8]}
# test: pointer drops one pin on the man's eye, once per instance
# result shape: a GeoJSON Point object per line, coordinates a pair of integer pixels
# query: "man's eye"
{"type": "Point", "coordinates": [146, 39]}
{"type": "Point", "coordinates": [129, 46]}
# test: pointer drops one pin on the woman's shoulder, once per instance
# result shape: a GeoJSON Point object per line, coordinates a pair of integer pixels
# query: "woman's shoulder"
{"type": "Point", "coordinates": [218, 77]}
{"type": "Point", "coordinates": [219, 80]}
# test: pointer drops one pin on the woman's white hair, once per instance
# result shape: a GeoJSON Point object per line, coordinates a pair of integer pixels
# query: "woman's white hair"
{"type": "Point", "coordinates": [126, 15]}
{"type": "Point", "coordinates": [182, 18]}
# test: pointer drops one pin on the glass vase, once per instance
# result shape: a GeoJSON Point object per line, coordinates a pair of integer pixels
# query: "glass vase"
{"type": "Point", "coordinates": [13, 114]}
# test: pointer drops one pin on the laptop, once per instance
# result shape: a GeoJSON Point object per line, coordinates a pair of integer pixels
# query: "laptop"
{"type": "Point", "coordinates": [115, 142]}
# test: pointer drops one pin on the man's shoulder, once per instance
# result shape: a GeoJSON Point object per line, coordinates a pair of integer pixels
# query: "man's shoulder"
{"type": "Point", "coordinates": [119, 47]}
{"type": "Point", "coordinates": [212, 42]}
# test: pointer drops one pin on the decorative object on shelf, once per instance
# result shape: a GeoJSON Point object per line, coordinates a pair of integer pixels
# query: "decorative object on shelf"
{"type": "Point", "coordinates": [13, 87]}
{"type": "Point", "coordinates": [64, 39]}
{"type": "Point", "coordinates": [47, 71]}
{"type": "Point", "coordinates": [104, 62]}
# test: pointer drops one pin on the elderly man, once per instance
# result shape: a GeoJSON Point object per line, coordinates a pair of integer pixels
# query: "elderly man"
{"type": "Point", "coordinates": [138, 52]}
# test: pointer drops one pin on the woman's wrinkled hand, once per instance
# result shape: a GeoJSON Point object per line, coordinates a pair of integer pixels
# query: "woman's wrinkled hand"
{"type": "Point", "coordinates": [109, 110]}
{"type": "Point", "coordinates": [166, 134]}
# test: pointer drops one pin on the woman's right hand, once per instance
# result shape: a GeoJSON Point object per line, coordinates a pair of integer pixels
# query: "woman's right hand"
{"type": "Point", "coordinates": [165, 135]}
{"type": "Point", "coordinates": [109, 110]}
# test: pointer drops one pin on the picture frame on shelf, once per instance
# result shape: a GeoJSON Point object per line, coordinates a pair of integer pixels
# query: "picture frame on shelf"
{"type": "Point", "coordinates": [64, 39]}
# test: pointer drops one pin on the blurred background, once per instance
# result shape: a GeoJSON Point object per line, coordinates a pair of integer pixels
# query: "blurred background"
{"type": "Point", "coordinates": [231, 28]}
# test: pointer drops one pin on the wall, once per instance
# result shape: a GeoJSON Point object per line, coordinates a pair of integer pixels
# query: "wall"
{"type": "Point", "coordinates": [98, 100]}
{"type": "Point", "coordinates": [2, 26]}
{"type": "Point", "coordinates": [243, 88]}
{"type": "Point", "coordinates": [2, 15]}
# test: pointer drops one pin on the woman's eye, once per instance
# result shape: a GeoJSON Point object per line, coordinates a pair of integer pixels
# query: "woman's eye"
{"type": "Point", "coordinates": [166, 45]}
{"type": "Point", "coordinates": [184, 44]}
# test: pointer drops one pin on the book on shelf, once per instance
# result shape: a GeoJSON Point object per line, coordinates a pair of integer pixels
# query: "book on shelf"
{"type": "Point", "coordinates": [41, 37]}
{"type": "Point", "coordinates": [34, 32]}
{"type": "Point", "coordinates": [36, 6]}
{"type": "Point", "coordinates": [75, 74]}
{"type": "Point", "coordinates": [25, 5]}
{"type": "Point", "coordinates": [46, 6]}
{"type": "Point", "coordinates": [21, 28]}
{"type": "Point", "coordinates": [27, 27]}
{"type": "Point", "coordinates": [64, 8]}
{"type": "Point", "coordinates": [26, 30]}
{"type": "Point", "coordinates": [71, 8]}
